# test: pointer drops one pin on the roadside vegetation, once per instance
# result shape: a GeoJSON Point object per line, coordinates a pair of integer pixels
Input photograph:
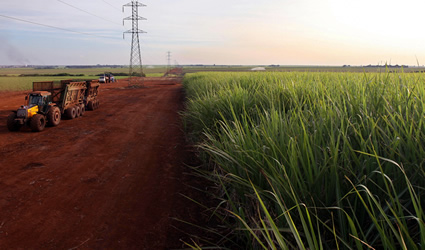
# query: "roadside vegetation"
{"type": "Point", "coordinates": [312, 160]}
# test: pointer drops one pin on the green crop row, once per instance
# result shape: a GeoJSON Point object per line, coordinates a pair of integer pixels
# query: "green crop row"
{"type": "Point", "coordinates": [314, 160]}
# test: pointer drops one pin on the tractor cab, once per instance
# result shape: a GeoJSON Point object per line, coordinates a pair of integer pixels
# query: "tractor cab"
{"type": "Point", "coordinates": [35, 102]}
{"type": "Point", "coordinates": [39, 98]}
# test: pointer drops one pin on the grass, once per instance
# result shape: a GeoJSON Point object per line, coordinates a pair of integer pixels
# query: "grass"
{"type": "Point", "coordinates": [315, 160]}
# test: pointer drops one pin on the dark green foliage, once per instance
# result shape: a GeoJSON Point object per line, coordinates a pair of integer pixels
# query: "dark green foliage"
{"type": "Point", "coordinates": [316, 160]}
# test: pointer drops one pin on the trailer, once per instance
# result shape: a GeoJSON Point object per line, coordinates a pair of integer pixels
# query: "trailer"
{"type": "Point", "coordinates": [50, 101]}
{"type": "Point", "coordinates": [90, 98]}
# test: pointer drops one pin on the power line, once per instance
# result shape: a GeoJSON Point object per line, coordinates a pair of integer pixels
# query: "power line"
{"type": "Point", "coordinates": [112, 5]}
{"type": "Point", "coordinates": [70, 5]}
{"type": "Point", "coordinates": [58, 28]}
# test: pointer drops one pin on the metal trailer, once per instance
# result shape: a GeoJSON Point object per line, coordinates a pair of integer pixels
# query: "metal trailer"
{"type": "Point", "coordinates": [67, 95]}
{"type": "Point", "coordinates": [90, 98]}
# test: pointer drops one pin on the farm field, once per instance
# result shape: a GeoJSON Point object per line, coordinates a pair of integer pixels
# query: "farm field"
{"type": "Point", "coordinates": [278, 68]}
{"type": "Point", "coordinates": [25, 83]}
{"type": "Point", "coordinates": [113, 178]}
{"type": "Point", "coordinates": [11, 79]}
{"type": "Point", "coordinates": [313, 160]}
{"type": "Point", "coordinates": [301, 160]}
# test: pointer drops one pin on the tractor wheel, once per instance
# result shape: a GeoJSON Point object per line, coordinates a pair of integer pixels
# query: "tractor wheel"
{"type": "Point", "coordinates": [11, 124]}
{"type": "Point", "coordinates": [77, 110]}
{"type": "Point", "coordinates": [83, 109]}
{"type": "Point", "coordinates": [53, 116]}
{"type": "Point", "coordinates": [90, 105]}
{"type": "Point", "coordinates": [71, 112]}
{"type": "Point", "coordinates": [38, 122]}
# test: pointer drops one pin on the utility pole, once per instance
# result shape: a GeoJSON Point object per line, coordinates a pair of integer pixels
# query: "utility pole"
{"type": "Point", "coordinates": [136, 68]}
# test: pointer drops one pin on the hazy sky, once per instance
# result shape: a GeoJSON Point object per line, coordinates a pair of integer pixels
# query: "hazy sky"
{"type": "Point", "coordinates": [285, 32]}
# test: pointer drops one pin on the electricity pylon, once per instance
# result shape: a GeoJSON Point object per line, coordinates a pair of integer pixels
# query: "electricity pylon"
{"type": "Point", "coordinates": [169, 59]}
{"type": "Point", "coordinates": [136, 68]}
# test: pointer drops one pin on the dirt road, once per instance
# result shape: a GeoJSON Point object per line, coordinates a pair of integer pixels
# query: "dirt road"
{"type": "Point", "coordinates": [108, 180]}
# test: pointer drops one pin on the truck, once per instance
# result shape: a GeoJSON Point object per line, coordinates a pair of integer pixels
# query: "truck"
{"type": "Point", "coordinates": [50, 101]}
{"type": "Point", "coordinates": [107, 78]}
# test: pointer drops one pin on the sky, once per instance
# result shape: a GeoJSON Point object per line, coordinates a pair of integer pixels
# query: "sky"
{"type": "Point", "coordinates": [238, 32]}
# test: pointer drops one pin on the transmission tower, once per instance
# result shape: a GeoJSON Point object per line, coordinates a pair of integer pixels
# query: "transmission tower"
{"type": "Point", "coordinates": [136, 68]}
{"type": "Point", "coordinates": [169, 59]}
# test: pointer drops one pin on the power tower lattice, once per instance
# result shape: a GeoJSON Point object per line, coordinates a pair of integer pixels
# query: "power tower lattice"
{"type": "Point", "coordinates": [136, 68]}
{"type": "Point", "coordinates": [169, 59]}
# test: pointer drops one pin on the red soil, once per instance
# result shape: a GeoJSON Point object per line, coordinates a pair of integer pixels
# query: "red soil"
{"type": "Point", "coordinates": [111, 179]}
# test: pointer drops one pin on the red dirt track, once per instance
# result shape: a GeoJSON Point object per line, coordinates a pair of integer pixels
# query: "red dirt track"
{"type": "Point", "coordinates": [108, 180]}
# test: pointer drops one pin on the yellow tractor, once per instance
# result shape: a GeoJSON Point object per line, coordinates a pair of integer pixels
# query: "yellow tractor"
{"type": "Point", "coordinates": [38, 111]}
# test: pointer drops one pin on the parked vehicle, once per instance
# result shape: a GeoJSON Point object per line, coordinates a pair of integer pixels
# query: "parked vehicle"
{"type": "Point", "coordinates": [49, 101]}
{"type": "Point", "coordinates": [109, 77]}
